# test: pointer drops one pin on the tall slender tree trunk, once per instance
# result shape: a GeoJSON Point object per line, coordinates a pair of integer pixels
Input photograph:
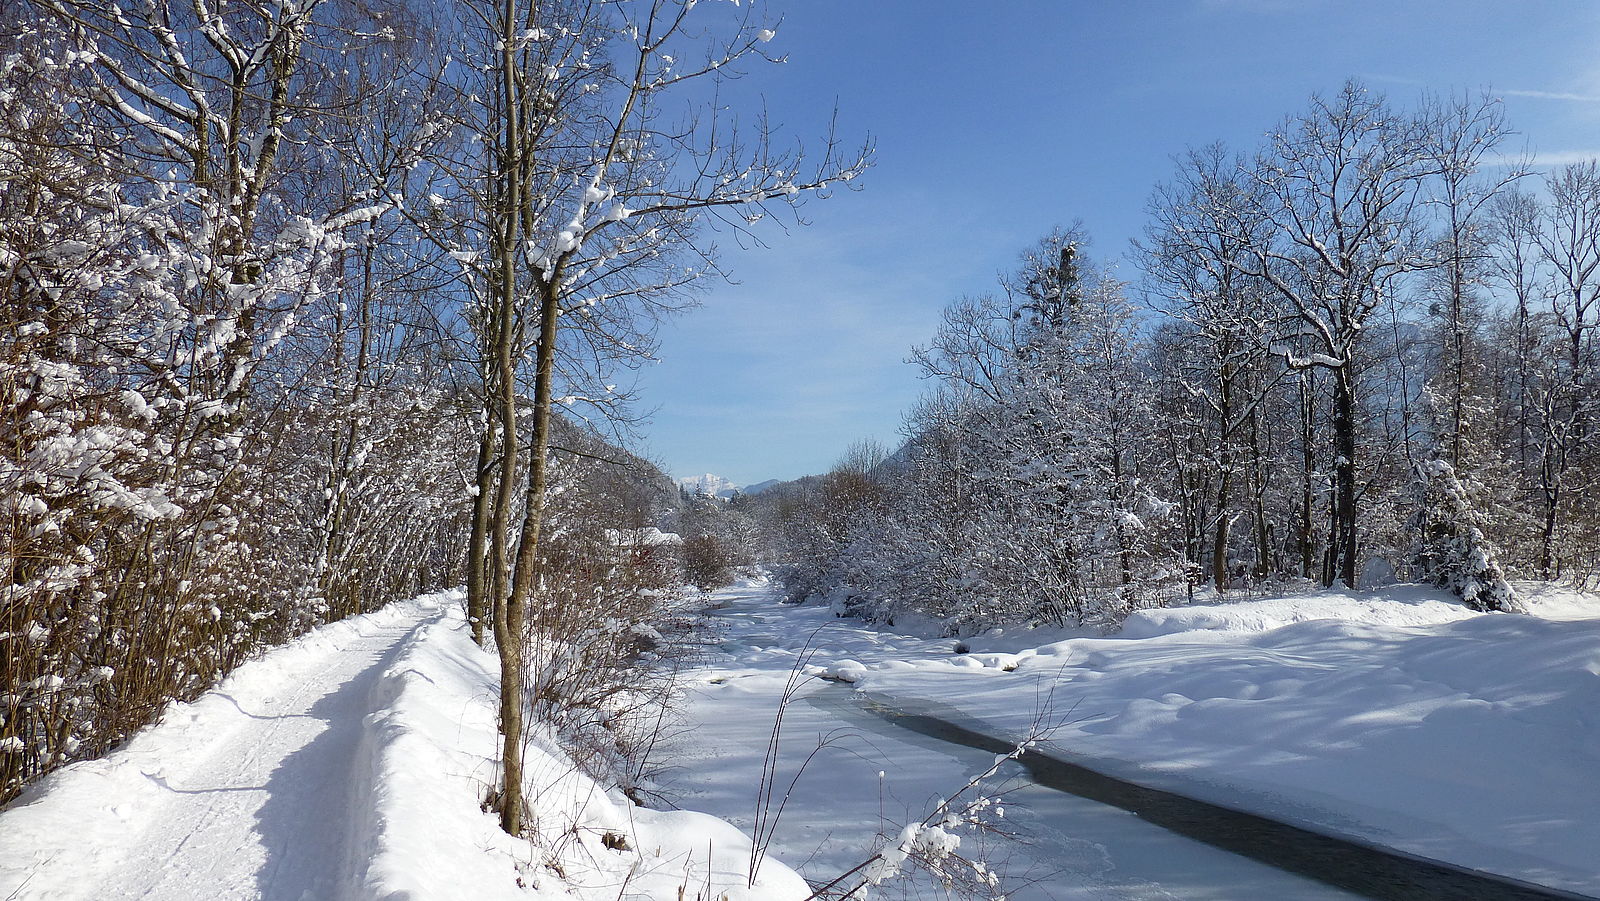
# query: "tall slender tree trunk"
{"type": "Point", "coordinates": [1343, 557]}
{"type": "Point", "coordinates": [1547, 534]}
{"type": "Point", "coordinates": [509, 617]}
{"type": "Point", "coordinates": [478, 602]}
{"type": "Point", "coordinates": [508, 624]}
{"type": "Point", "coordinates": [1308, 460]}
{"type": "Point", "coordinates": [1258, 497]}
{"type": "Point", "coordinates": [525, 565]}
{"type": "Point", "coordinates": [1219, 546]}
{"type": "Point", "coordinates": [1458, 354]}
{"type": "Point", "coordinates": [1224, 457]}
{"type": "Point", "coordinates": [1524, 377]}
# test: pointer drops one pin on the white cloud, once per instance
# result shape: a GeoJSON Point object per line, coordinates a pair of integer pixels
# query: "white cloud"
{"type": "Point", "coordinates": [1552, 95]}
{"type": "Point", "coordinates": [1555, 158]}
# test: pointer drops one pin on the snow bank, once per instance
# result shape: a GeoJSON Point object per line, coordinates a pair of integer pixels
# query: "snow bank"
{"type": "Point", "coordinates": [1398, 717]}
{"type": "Point", "coordinates": [433, 744]}
{"type": "Point", "coordinates": [1397, 606]}
{"type": "Point", "coordinates": [1548, 600]}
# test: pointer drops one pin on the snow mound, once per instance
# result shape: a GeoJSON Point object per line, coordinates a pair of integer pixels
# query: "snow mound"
{"type": "Point", "coordinates": [1396, 606]}
{"type": "Point", "coordinates": [843, 671]}
{"type": "Point", "coordinates": [1548, 600]}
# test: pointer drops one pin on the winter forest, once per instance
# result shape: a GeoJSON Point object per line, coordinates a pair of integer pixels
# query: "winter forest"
{"type": "Point", "coordinates": [1359, 352]}
{"type": "Point", "coordinates": [308, 309]}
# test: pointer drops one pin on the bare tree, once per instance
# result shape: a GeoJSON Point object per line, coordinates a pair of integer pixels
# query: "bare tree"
{"type": "Point", "coordinates": [1569, 248]}
{"type": "Point", "coordinates": [1193, 259]}
{"type": "Point", "coordinates": [1461, 132]}
{"type": "Point", "coordinates": [573, 205]}
{"type": "Point", "coordinates": [1340, 185]}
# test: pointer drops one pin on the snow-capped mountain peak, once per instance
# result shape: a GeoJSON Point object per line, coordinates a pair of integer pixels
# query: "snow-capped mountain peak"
{"type": "Point", "coordinates": [709, 484]}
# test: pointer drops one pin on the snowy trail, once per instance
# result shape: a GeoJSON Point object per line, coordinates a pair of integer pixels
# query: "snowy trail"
{"type": "Point", "coordinates": [267, 814]}
{"type": "Point", "coordinates": [351, 765]}
{"type": "Point", "coordinates": [254, 791]}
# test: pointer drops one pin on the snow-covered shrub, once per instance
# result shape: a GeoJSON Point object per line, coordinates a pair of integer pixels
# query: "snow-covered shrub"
{"type": "Point", "coordinates": [1025, 492]}
{"type": "Point", "coordinates": [156, 457]}
{"type": "Point", "coordinates": [83, 472]}
{"type": "Point", "coordinates": [718, 541]}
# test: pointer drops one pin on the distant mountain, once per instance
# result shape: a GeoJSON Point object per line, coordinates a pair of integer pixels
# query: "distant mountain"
{"type": "Point", "coordinates": [708, 484]}
{"type": "Point", "coordinates": [759, 487]}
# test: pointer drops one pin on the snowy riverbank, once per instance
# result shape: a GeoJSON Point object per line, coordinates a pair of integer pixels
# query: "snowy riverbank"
{"type": "Point", "coordinates": [1397, 717]}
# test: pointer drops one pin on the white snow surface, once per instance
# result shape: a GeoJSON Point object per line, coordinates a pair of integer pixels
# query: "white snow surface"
{"type": "Point", "coordinates": [351, 763]}
{"type": "Point", "coordinates": [1400, 605]}
{"type": "Point", "coordinates": [649, 536]}
{"type": "Point", "coordinates": [1396, 716]}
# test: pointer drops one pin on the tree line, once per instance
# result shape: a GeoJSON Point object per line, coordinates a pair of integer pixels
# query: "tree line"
{"type": "Point", "coordinates": [305, 307]}
{"type": "Point", "coordinates": [1362, 350]}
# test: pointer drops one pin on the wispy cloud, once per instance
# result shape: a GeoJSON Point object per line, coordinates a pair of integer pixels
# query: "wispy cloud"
{"type": "Point", "coordinates": [1565, 157]}
{"type": "Point", "coordinates": [1566, 96]}
{"type": "Point", "coordinates": [1552, 95]}
{"type": "Point", "coordinates": [1548, 158]}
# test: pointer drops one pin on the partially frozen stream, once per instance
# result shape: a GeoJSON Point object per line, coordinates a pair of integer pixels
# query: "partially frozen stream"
{"type": "Point", "coordinates": [1075, 834]}
{"type": "Point", "coordinates": [1066, 798]}
{"type": "Point", "coordinates": [876, 773]}
{"type": "Point", "coordinates": [1077, 847]}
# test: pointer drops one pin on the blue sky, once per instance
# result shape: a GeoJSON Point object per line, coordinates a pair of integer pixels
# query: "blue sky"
{"type": "Point", "coordinates": [995, 121]}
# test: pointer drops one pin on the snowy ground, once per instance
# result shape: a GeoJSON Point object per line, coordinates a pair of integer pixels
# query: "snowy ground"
{"type": "Point", "coordinates": [350, 764]}
{"type": "Point", "coordinates": [1400, 718]}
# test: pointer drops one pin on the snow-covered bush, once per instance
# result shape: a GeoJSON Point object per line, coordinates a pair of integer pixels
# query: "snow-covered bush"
{"type": "Point", "coordinates": [610, 591]}
{"type": "Point", "coordinates": [719, 541]}
{"type": "Point", "coordinates": [159, 450]}
{"type": "Point", "coordinates": [1025, 491]}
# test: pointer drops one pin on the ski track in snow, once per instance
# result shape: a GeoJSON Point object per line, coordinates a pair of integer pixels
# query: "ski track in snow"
{"type": "Point", "coordinates": [351, 765]}
{"type": "Point", "coordinates": [267, 809]}
{"type": "Point", "coordinates": [265, 815]}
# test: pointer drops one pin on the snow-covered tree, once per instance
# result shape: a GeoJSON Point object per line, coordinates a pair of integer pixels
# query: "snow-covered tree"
{"type": "Point", "coordinates": [1218, 372]}
{"type": "Point", "coordinates": [571, 196]}
{"type": "Point", "coordinates": [1451, 550]}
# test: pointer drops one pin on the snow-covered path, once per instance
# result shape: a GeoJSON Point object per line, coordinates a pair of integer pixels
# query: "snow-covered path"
{"type": "Point", "coordinates": [251, 792]}
{"type": "Point", "coordinates": [351, 765]}
{"type": "Point", "coordinates": [268, 813]}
